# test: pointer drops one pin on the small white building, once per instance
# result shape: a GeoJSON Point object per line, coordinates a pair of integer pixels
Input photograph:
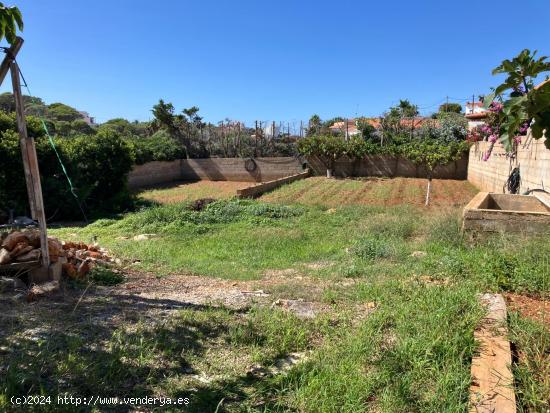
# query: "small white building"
{"type": "Point", "coordinates": [476, 114]}
{"type": "Point", "coordinates": [348, 128]}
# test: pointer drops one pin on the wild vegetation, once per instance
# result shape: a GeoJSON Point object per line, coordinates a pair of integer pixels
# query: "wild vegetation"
{"type": "Point", "coordinates": [394, 288]}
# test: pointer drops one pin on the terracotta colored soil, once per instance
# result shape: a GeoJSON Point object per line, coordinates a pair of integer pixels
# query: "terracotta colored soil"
{"type": "Point", "coordinates": [190, 191]}
{"type": "Point", "coordinates": [373, 191]}
{"type": "Point", "coordinates": [537, 309]}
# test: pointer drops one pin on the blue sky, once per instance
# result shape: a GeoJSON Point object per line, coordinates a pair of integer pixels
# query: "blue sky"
{"type": "Point", "coordinates": [270, 60]}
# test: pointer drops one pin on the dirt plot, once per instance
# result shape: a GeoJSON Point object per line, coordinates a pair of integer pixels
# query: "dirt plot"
{"type": "Point", "coordinates": [190, 191]}
{"type": "Point", "coordinates": [372, 191]}
{"type": "Point", "coordinates": [535, 308]}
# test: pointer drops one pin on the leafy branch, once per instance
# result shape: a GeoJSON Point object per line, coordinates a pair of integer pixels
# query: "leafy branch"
{"type": "Point", "coordinates": [524, 103]}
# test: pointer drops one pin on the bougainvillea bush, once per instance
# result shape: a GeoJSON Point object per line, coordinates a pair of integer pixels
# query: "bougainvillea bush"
{"type": "Point", "coordinates": [517, 105]}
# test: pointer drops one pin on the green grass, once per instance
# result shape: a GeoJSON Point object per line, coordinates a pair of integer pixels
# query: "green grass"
{"type": "Point", "coordinates": [396, 333]}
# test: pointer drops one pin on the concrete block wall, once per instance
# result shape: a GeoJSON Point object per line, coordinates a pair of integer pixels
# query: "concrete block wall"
{"type": "Point", "coordinates": [153, 173]}
{"type": "Point", "coordinates": [213, 169]}
{"type": "Point", "coordinates": [390, 167]}
{"type": "Point", "coordinates": [532, 158]}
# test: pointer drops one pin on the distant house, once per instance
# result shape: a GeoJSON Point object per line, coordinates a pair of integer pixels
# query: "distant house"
{"type": "Point", "coordinates": [87, 118]}
{"type": "Point", "coordinates": [476, 114]}
{"type": "Point", "coordinates": [349, 128]}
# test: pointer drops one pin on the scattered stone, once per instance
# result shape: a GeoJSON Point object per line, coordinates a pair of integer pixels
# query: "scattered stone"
{"type": "Point", "coordinates": [13, 239]}
{"type": "Point", "coordinates": [41, 290]}
{"type": "Point", "coordinates": [32, 255]}
{"type": "Point", "coordinates": [200, 204]}
{"type": "Point", "coordinates": [4, 256]}
{"type": "Point", "coordinates": [257, 293]}
{"type": "Point", "coordinates": [302, 309]}
{"type": "Point", "coordinates": [69, 270]}
{"type": "Point", "coordinates": [428, 279]}
{"type": "Point", "coordinates": [143, 237]}
{"type": "Point", "coordinates": [83, 269]}
{"type": "Point", "coordinates": [6, 285]}
{"type": "Point", "coordinates": [419, 254]}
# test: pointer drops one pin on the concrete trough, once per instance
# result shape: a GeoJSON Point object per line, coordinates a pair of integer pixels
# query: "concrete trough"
{"type": "Point", "coordinates": [490, 212]}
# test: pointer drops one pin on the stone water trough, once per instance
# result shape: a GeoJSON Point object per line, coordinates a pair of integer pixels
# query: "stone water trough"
{"type": "Point", "coordinates": [490, 212]}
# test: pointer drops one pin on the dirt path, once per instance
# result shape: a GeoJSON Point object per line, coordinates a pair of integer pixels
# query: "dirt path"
{"type": "Point", "coordinates": [144, 296]}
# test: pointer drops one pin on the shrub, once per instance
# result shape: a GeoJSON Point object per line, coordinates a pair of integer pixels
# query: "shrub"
{"type": "Point", "coordinates": [159, 147]}
{"type": "Point", "coordinates": [372, 248]}
{"type": "Point", "coordinates": [105, 276]}
{"type": "Point", "coordinates": [97, 165]}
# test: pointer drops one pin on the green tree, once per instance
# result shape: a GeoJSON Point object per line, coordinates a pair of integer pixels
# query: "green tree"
{"type": "Point", "coordinates": [314, 125]}
{"type": "Point", "coordinates": [326, 148]}
{"type": "Point", "coordinates": [62, 112]}
{"type": "Point", "coordinates": [450, 108]}
{"type": "Point", "coordinates": [10, 21]}
{"type": "Point", "coordinates": [430, 153]}
{"type": "Point", "coordinates": [366, 129]}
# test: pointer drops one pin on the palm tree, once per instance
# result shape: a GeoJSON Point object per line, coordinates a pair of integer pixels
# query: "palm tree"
{"type": "Point", "coordinates": [10, 20]}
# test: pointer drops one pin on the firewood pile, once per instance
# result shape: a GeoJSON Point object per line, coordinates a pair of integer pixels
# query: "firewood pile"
{"type": "Point", "coordinates": [76, 258]}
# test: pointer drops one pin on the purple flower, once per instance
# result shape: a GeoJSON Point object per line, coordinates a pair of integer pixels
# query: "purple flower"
{"type": "Point", "coordinates": [517, 139]}
{"type": "Point", "coordinates": [519, 89]}
{"type": "Point", "coordinates": [493, 138]}
{"type": "Point", "coordinates": [496, 107]}
{"type": "Point", "coordinates": [524, 128]}
{"type": "Point", "coordinates": [486, 129]}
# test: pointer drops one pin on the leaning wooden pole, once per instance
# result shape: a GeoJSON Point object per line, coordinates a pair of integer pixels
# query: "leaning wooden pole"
{"type": "Point", "coordinates": [30, 164]}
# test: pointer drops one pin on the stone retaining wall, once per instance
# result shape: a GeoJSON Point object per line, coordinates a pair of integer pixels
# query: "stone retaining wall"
{"type": "Point", "coordinates": [213, 169]}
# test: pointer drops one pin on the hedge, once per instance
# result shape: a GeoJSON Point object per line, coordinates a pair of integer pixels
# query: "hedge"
{"type": "Point", "coordinates": [98, 166]}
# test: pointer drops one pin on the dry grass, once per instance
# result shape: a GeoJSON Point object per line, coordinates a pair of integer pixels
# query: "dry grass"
{"type": "Point", "coordinates": [372, 191]}
{"type": "Point", "coordinates": [190, 191]}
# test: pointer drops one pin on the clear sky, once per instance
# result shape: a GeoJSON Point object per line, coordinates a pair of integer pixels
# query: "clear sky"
{"type": "Point", "coordinates": [270, 60]}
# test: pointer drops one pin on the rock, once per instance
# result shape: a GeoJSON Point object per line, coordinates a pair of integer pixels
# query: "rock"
{"type": "Point", "coordinates": [34, 238]}
{"type": "Point", "coordinates": [143, 237]}
{"type": "Point", "coordinates": [257, 293]}
{"type": "Point", "coordinates": [69, 270]}
{"type": "Point", "coordinates": [15, 251]}
{"type": "Point", "coordinates": [41, 290]}
{"type": "Point", "coordinates": [83, 269]}
{"type": "Point", "coordinates": [302, 309]}
{"type": "Point", "coordinates": [94, 254]}
{"type": "Point", "coordinates": [419, 254]}
{"type": "Point", "coordinates": [32, 255]}
{"type": "Point", "coordinates": [54, 247]}
{"type": "Point", "coordinates": [4, 256]}
{"type": "Point", "coordinates": [21, 249]}
{"type": "Point", "coordinates": [200, 204]}
{"type": "Point", "coordinates": [69, 245]}
{"type": "Point", "coordinates": [6, 285]}
{"type": "Point", "coordinates": [13, 239]}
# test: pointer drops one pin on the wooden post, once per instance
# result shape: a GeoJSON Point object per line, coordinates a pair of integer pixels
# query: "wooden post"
{"type": "Point", "coordinates": [30, 163]}
{"type": "Point", "coordinates": [256, 141]}
{"type": "Point", "coordinates": [10, 56]}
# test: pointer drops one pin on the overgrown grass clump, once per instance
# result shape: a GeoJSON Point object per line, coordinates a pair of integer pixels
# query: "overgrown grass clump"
{"type": "Point", "coordinates": [171, 218]}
